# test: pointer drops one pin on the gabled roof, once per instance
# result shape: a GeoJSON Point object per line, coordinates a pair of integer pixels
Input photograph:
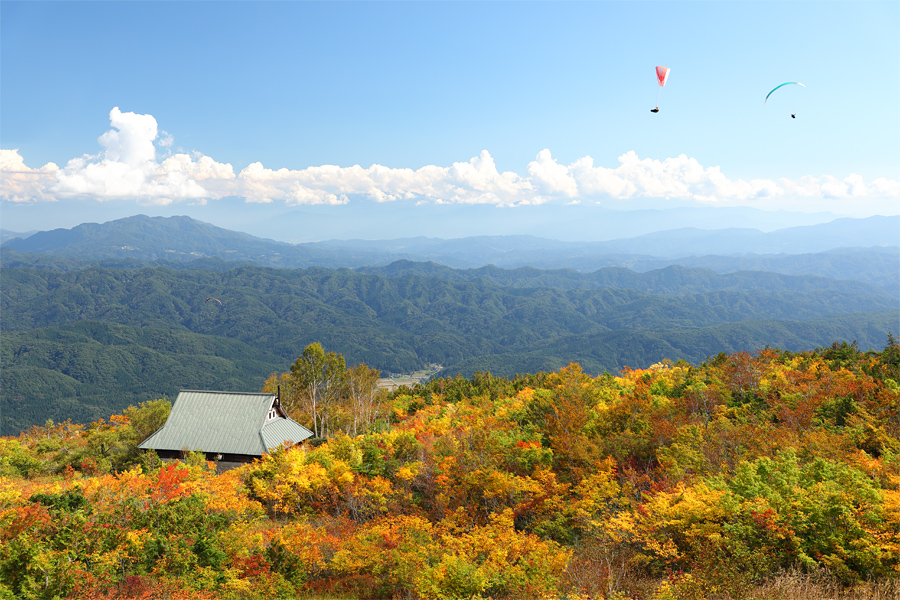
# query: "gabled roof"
{"type": "Point", "coordinates": [225, 423]}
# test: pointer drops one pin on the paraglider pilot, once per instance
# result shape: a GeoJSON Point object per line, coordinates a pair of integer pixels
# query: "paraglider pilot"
{"type": "Point", "coordinates": [662, 75]}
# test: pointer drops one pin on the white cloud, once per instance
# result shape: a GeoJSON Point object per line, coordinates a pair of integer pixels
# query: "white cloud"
{"type": "Point", "coordinates": [131, 142]}
{"type": "Point", "coordinates": [885, 188]}
{"type": "Point", "coordinates": [259, 184]}
{"type": "Point", "coordinates": [165, 140]}
{"type": "Point", "coordinates": [678, 178]}
{"type": "Point", "coordinates": [18, 183]}
{"type": "Point", "coordinates": [551, 177]}
{"type": "Point", "coordinates": [129, 166]}
{"type": "Point", "coordinates": [475, 181]}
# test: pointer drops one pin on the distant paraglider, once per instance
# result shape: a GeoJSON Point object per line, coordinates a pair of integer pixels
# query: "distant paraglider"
{"type": "Point", "coordinates": [793, 115]}
{"type": "Point", "coordinates": [211, 299]}
{"type": "Point", "coordinates": [781, 86]}
{"type": "Point", "coordinates": [662, 75]}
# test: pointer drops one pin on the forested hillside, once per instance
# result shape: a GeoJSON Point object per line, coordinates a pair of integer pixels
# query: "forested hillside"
{"type": "Point", "coordinates": [86, 342]}
{"type": "Point", "coordinates": [667, 280]}
{"type": "Point", "coordinates": [770, 474]}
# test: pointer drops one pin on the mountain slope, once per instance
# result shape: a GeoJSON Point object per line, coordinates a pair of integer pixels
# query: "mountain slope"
{"type": "Point", "coordinates": [88, 370]}
{"type": "Point", "coordinates": [152, 238]}
{"type": "Point", "coordinates": [672, 279]}
{"type": "Point", "coordinates": [107, 338]}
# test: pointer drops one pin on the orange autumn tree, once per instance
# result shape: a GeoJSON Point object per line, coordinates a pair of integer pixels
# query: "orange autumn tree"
{"type": "Point", "coordinates": [674, 481]}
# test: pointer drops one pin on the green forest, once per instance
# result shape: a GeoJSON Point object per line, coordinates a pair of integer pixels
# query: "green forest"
{"type": "Point", "coordinates": [765, 475]}
{"type": "Point", "coordinates": [83, 343]}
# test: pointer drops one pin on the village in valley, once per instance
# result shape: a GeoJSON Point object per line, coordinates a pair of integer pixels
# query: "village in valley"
{"type": "Point", "coordinates": [396, 380]}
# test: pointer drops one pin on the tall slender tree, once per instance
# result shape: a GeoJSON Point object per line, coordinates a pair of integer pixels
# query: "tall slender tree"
{"type": "Point", "coordinates": [362, 396]}
{"type": "Point", "coordinates": [319, 377]}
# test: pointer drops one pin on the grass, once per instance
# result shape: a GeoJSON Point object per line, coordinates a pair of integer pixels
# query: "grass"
{"type": "Point", "coordinates": [821, 586]}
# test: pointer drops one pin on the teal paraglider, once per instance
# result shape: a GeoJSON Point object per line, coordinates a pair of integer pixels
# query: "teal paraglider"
{"type": "Point", "coordinates": [781, 86]}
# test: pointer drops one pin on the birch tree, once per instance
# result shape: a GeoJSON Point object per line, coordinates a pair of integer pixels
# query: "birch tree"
{"type": "Point", "coordinates": [362, 396]}
{"type": "Point", "coordinates": [318, 377]}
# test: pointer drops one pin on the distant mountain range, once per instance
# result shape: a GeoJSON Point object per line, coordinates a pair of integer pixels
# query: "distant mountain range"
{"type": "Point", "coordinates": [367, 219]}
{"type": "Point", "coordinates": [6, 235]}
{"type": "Point", "coordinates": [675, 243]}
{"type": "Point", "coordinates": [101, 316]}
{"type": "Point", "coordinates": [185, 239]}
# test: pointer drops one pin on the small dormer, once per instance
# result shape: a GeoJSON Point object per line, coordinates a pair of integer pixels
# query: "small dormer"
{"type": "Point", "coordinates": [275, 410]}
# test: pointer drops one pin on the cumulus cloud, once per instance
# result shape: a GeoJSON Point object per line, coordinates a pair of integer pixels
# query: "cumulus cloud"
{"type": "Point", "coordinates": [135, 162]}
{"type": "Point", "coordinates": [475, 181]}
{"type": "Point", "coordinates": [18, 183]}
{"type": "Point", "coordinates": [680, 178]}
{"type": "Point", "coordinates": [551, 177]}
{"type": "Point", "coordinates": [128, 167]}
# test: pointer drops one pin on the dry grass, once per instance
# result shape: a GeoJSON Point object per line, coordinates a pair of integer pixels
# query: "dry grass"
{"type": "Point", "coordinates": [802, 586]}
{"type": "Point", "coordinates": [785, 586]}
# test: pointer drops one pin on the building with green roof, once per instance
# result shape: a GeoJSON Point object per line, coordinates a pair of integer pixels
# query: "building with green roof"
{"type": "Point", "coordinates": [231, 428]}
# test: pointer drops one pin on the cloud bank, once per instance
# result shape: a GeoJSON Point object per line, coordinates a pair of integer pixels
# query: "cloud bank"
{"type": "Point", "coordinates": [136, 162]}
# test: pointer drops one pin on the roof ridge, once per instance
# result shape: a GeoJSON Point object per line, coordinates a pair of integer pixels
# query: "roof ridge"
{"type": "Point", "coordinates": [230, 393]}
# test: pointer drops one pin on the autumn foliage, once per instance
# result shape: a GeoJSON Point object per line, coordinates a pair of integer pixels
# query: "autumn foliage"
{"type": "Point", "coordinates": [676, 481]}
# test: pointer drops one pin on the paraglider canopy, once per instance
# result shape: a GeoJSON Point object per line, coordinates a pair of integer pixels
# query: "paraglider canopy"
{"type": "Point", "coordinates": [662, 74]}
{"type": "Point", "coordinates": [780, 86]}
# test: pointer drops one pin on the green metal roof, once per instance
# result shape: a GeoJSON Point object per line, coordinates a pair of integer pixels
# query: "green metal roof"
{"type": "Point", "coordinates": [224, 422]}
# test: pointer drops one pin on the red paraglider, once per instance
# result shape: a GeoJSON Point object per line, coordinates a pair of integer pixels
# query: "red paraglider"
{"type": "Point", "coordinates": [662, 75]}
{"type": "Point", "coordinates": [213, 311]}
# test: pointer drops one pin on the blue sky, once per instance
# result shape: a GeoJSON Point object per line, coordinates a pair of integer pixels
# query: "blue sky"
{"type": "Point", "coordinates": [233, 111]}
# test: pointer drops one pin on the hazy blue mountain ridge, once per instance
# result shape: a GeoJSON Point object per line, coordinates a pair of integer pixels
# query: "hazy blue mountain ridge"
{"type": "Point", "coordinates": [6, 234]}
{"type": "Point", "coordinates": [366, 219]}
{"type": "Point", "coordinates": [681, 242]}
{"type": "Point", "coordinates": [861, 249]}
{"type": "Point", "coordinates": [183, 238]}
{"type": "Point", "coordinates": [151, 238]}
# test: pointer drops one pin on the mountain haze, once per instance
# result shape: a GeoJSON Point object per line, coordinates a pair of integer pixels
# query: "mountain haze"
{"type": "Point", "coordinates": [848, 244]}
